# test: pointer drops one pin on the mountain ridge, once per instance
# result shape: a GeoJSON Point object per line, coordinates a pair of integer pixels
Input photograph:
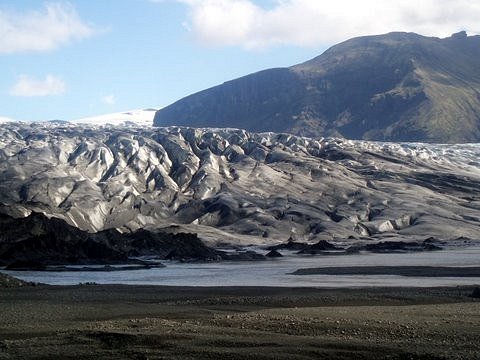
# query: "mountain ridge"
{"type": "Point", "coordinates": [392, 87]}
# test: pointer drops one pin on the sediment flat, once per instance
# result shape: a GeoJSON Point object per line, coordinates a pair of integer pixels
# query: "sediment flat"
{"type": "Point", "coordinates": [418, 271]}
{"type": "Point", "coordinates": [159, 322]}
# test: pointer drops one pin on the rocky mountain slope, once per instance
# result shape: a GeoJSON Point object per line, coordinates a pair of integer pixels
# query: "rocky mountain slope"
{"type": "Point", "coordinates": [239, 187]}
{"type": "Point", "coordinates": [393, 87]}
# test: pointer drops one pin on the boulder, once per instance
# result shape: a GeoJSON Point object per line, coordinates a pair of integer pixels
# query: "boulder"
{"type": "Point", "coordinates": [273, 254]}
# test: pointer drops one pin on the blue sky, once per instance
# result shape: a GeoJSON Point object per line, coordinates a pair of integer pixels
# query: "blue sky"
{"type": "Point", "coordinates": [72, 59]}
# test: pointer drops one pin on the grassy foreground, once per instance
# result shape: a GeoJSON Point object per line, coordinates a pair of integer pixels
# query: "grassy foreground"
{"type": "Point", "coordinates": [153, 322]}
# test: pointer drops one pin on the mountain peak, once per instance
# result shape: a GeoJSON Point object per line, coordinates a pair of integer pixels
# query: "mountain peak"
{"type": "Point", "coordinates": [460, 35]}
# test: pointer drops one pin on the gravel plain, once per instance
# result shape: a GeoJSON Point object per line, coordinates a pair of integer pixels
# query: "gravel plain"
{"type": "Point", "coordinates": [153, 322]}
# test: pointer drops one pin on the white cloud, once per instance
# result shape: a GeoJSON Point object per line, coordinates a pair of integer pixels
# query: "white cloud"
{"type": "Point", "coordinates": [322, 22]}
{"type": "Point", "coordinates": [108, 99]}
{"type": "Point", "coordinates": [55, 25]}
{"type": "Point", "coordinates": [28, 86]}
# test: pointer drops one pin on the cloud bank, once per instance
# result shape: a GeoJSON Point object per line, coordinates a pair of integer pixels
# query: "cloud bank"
{"type": "Point", "coordinates": [108, 99]}
{"type": "Point", "coordinates": [28, 86]}
{"type": "Point", "coordinates": [55, 25]}
{"type": "Point", "coordinates": [323, 22]}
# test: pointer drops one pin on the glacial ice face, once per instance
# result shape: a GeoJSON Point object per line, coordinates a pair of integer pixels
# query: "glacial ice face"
{"type": "Point", "coordinates": [239, 186]}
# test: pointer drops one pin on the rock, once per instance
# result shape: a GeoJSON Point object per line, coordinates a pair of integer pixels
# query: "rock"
{"type": "Point", "coordinates": [403, 222]}
{"type": "Point", "coordinates": [386, 246]}
{"type": "Point", "coordinates": [319, 247]}
{"type": "Point", "coordinates": [362, 230]}
{"type": "Point", "coordinates": [463, 239]}
{"type": "Point", "coordinates": [475, 293]}
{"type": "Point", "coordinates": [394, 246]}
{"type": "Point", "coordinates": [386, 226]}
{"type": "Point", "coordinates": [36, 241]}
{"type": "Point", "coordinates": [273, 254]}
{"type": "Point", "coordinates": [431, 247]}
{"type": "Point", "coordinates": [431, 244]}
{"type": "Point", "coordinates": [180, 246]}
{"type": "Point", "coordinates": [7, 281]}
{"type": "Point", "coordinates": [26, 265]}
{"type": "Point", "coordinates": [190, 255]}
{"type": "Point", "coordinates": [334, 216]}
{"type": "Point", "coordinates": [243, 256]}
{"type": "Point", "coordinates": [290, 245]}
{"type": "Point", "coordinates": [430, 240]}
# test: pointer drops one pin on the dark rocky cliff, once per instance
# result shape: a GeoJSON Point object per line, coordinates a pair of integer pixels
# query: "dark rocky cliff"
{"type": "Point", "coordinates": [37, 240]}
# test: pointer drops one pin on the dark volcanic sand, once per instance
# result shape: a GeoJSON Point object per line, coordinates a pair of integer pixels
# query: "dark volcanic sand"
{"type": "Point", "coordinates": [420, 271]}
{"type": "Point", "coordinates": [154, 322]}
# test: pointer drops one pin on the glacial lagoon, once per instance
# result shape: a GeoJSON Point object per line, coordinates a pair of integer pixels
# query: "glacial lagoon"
{"type": "Point", "coordinates": [276, 272]}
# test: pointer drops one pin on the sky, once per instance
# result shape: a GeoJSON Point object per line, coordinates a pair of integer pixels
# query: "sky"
{"type": "Point", "coordinates": [72, 59]}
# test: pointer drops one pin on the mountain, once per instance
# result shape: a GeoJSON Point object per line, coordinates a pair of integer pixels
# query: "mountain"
{"type": "Point", "coordinates": [5, 119]}
{"type": "Point", "coordinates": [143, 117]}
{"type": "Point", "coordinates": [393, 87]}
{"type": "Point", "coordinates": [134, 117]}
{"type": "Point", "coordinates": [234, 186]}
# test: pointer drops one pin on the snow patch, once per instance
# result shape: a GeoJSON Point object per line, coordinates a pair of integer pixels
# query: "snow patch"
{"type": "Point", "coordinates": [128, 118]}
{"type": "Point", "coordinates": [5, 120]}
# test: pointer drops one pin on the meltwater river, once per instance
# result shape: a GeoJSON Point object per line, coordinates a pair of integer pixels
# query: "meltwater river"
{"type": "Point", "coordinates": [275, 272]}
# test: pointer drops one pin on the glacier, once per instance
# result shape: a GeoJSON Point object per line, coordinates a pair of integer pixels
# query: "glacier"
{"type": "Point", "coordinates": [232, 186]}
